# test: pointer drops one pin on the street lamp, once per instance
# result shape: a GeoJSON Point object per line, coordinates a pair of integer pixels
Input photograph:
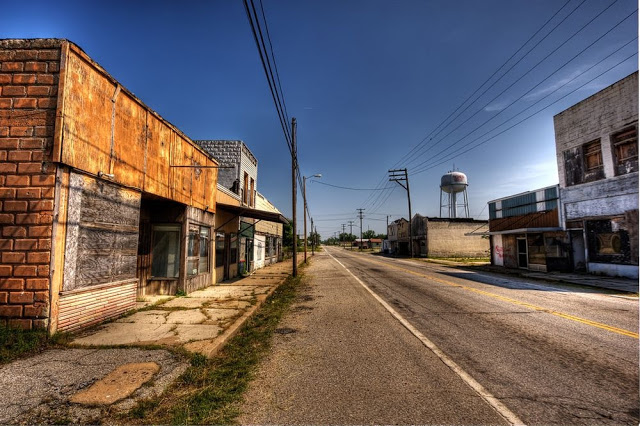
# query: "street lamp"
{"type": "Point", "coordinates": [304, 197]}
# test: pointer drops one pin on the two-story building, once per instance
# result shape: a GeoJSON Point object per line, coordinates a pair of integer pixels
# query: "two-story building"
{"type": "Point", "coordinates": [597, 154]}
{"type": "Point", "coordinates": [398, 236]}
{"type": "Point", "coordinates": [238, 211]}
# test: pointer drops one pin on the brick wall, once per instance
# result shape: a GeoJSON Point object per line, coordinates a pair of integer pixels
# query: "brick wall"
{"type": "Point", "coordinates": [232, 153]}
{"type": "Point", "coordinates": [28, 98]}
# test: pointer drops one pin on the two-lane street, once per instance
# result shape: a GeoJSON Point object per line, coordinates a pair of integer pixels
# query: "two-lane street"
{"type": "Point", "coordinates": [540, 352]}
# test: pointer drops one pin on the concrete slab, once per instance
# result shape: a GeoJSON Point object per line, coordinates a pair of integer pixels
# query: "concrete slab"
{"type": "Point", "coordinates": [147, 317]}
{"type": "Point", "coordinates": [228, 292]}
{"type": "Point", "coordinates": [186, 302]}
{"type": "Point", "coordinates": [191, 316]}
{"type": "Point", "coordinates": [188, 333]}
{"type": "Point", "coordinates": [127, 333]}
{"type": "Point", "coordinates": [37, 390]}
{"type": "Point", "coordinates": [117, 385]}
{"type": "Point", "coordinates": [216, 315]}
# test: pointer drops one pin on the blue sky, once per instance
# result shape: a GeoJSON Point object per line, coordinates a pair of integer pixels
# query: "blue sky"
{"type": "Point", "coordinates": [367, 80]}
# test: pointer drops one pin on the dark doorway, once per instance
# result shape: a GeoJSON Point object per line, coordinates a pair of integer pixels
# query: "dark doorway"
{"type": "Point", "coordinates": [523, 261]}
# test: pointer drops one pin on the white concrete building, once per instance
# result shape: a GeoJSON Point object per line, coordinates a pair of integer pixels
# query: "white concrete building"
{"type": "Point", "coordinates": [597, 154]}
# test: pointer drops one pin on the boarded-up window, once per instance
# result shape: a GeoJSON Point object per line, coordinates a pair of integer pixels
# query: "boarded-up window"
{"type": "Point", "coordinates": [592, 156]}
{"type": "Point", "coordinates": [625, 150]}
{"type": "Point", "coordinates": [584, 164]}
{"type": "Point", "coordinates": [252, 194]}
{"type": "Point", "coordinates": [245, 189]}
{"type": "Point", "coordinates": [102, 233]}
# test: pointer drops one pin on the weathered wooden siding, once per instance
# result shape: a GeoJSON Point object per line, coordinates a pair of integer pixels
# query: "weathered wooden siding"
{"type": "Point", "coordinates": [107, 130]}
{"type": "Point", "coordinates": [83, 308]}
{"type": "Point", "coordinates": [547, 219]}
{"type": "Point", "coordinates": [102, 233]}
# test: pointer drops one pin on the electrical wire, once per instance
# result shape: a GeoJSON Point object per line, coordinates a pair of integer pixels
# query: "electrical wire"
{"type": "Point", "coordinates": [428, 167]}
{"type": "Point", "coordinates": [506, 108]}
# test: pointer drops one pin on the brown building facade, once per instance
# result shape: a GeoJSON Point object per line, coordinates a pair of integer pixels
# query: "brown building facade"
{"type": "Point", "coordinates": [102, 200]}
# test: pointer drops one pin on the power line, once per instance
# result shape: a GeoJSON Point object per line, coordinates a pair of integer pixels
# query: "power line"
{"type": "Point", "coordinates": [349, 188]}
{"type": "Point", "coordinates": [430, 166]}
{"type": "Point", "coordinates": [520, 78]}
{"type": "Point", "coordinates": [492, 75]}
{"type": "Point", "coordinates": [278, 99]}
{"type": "Point", "coordinates": [532, 89]}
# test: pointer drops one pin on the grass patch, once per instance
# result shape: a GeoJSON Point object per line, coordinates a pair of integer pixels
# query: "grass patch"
{"type": "Point", "coordinates": [17, 343]}
{"type": "Point", "coordinates": [210, 389]}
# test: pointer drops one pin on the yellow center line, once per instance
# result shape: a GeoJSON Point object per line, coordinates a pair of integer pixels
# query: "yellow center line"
{"type": "Point", "coordinates": [516, 302]}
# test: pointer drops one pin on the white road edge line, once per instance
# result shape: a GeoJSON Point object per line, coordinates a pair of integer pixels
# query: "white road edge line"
{"type": "Point", "coordinates": [508, 415]}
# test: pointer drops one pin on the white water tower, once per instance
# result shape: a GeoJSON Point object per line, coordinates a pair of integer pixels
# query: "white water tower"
{"type": "Point", "coordinates": [452, 184]}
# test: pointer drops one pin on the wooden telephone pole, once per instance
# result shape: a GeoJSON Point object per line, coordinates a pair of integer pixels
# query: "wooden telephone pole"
{"type": "Point", "coordinates": [399, 176]}
{"type": "Point", "coordinates": [294, 190]}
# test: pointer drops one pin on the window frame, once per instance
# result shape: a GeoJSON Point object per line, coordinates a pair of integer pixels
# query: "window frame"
{"type": "Point", "coordinates": [627, 137]}
{"type": "Point", "coordinates": [174, 227]}
{"type": "Point", "coordinates": [195, 245]}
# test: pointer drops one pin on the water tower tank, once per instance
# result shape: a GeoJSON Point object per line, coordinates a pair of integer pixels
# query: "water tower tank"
{"type": "Point", "coordinates": [453, 182]}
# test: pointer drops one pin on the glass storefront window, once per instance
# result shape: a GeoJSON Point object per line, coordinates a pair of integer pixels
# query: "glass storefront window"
{"type": "Point", "coordinates": [203, 265]}
{"type": "Point", "coordinates": [165, 251]}
{"type": "Point", "coordinates": [198, 250]}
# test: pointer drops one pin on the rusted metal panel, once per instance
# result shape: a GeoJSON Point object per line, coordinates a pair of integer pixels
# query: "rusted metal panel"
{"type": "Point", "coordinates": [129, 141]}
{"type": "Point", "coordinates": [87, 111]}
{"type": "Point", "coordinates": [107, 130]}
{"type": "Point", "coordinates": [548, 219]}
{"type": "Point", "coordinates": [156, 180]}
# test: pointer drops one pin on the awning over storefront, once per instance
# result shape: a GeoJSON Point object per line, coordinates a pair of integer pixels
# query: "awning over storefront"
{"type": "Point", "coordinates": [253, 213]}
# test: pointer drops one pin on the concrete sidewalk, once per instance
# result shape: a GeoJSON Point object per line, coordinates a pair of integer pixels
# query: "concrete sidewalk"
{"type": "Point", "coordinates": [79, 385]}
{"type": "Point", "coordinates": [200, 322]}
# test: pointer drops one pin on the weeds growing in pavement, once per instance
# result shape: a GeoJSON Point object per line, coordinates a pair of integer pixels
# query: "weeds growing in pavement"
{"type": "Point", "coordinates": [209, 390]}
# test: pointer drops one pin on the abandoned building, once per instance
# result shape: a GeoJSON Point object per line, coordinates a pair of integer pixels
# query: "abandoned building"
{"type": "Point", "coordinates": [597, 154]}
{"type": "Point", "coordinates": [398, 237]}
{"type": "Point", "coordinates": [449, 237]}
{"type": "Point", "coordinates": [102, 200]}
{"type": "Point", "coordinates": [241, 211]}
{"type": "Point", "coordinates": [526, 231]}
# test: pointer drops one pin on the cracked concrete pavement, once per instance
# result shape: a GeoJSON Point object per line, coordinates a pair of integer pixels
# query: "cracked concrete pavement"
{"type": "Point", "coordinates": [40, 389]}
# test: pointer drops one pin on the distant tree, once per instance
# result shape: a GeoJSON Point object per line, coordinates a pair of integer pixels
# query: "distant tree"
{"type": "Point", "coordinates": [381, 236]}
{"type": "Point", "coordinates": [367, 235]}
{"type": "Point", "coordinates": [287, 234]}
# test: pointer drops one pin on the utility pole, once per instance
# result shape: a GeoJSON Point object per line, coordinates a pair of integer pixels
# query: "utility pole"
{"type": "Point", "coordinates": [343, 233]}
{"type": "Point", "coordinates": [294, 189]}
{"type": "Point", "coordinates": [399, 176]}
{"type": "Point", "coordinates": [350, 232]}
{"type": "Point", "coordinates": [360, 215]}
{"type": "Point", "coordinates": [313, 238]}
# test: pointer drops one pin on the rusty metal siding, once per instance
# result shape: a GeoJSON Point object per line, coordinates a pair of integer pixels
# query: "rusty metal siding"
{"type": "Point", "coordinates": [88, 307]}
{"type": "Point", "coordinates": [106, 130]}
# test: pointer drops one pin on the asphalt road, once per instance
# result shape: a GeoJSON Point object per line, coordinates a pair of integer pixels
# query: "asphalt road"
{"type": "Point", "coordinates": [538, 353]}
